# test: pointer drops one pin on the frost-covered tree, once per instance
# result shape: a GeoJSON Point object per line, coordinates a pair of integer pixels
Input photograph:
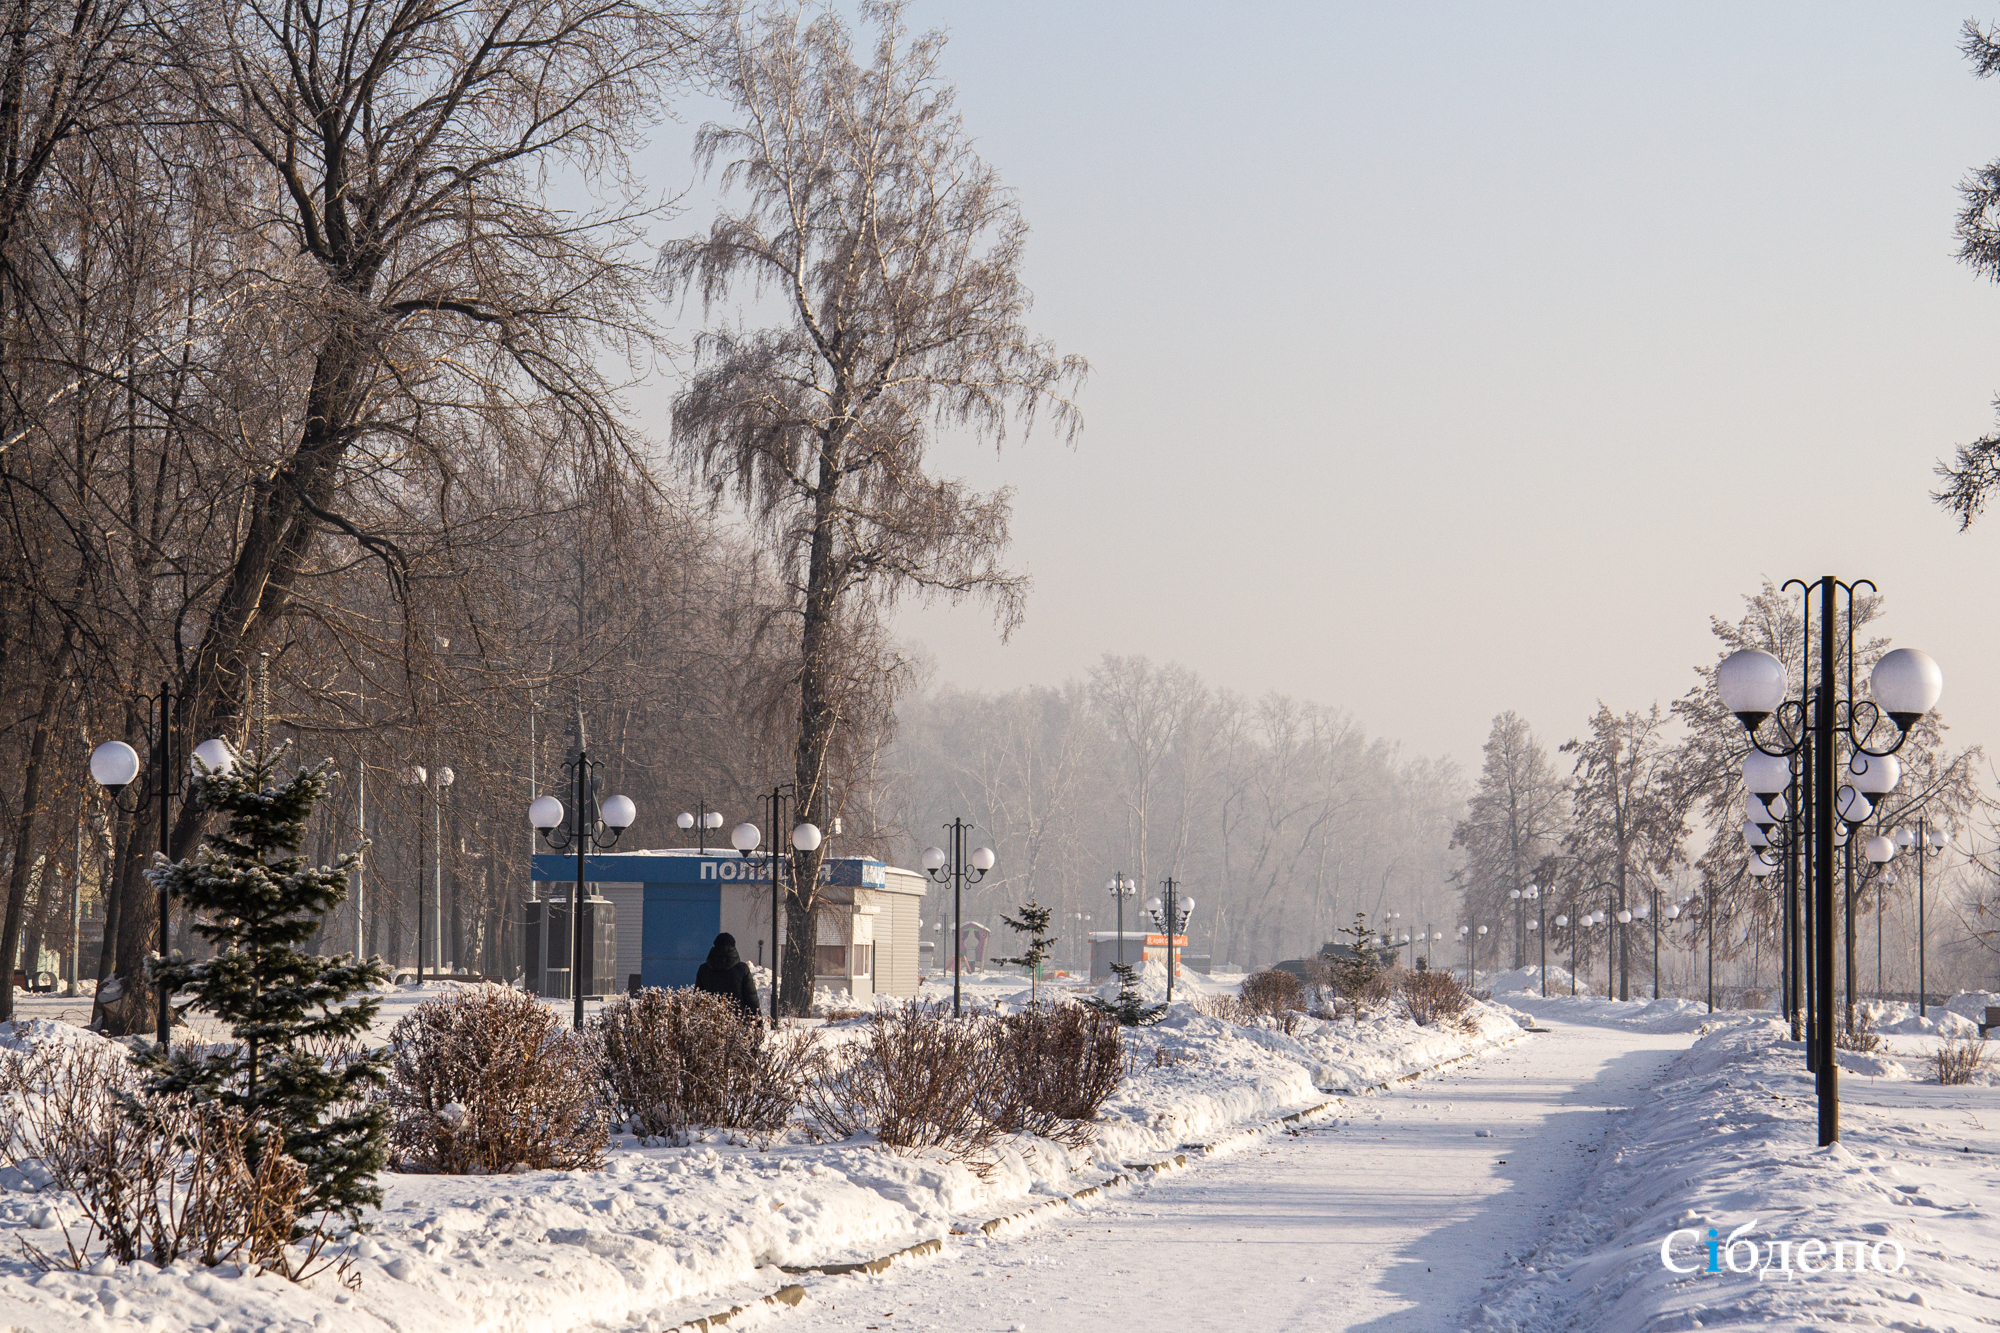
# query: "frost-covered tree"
{"type": "Point", "coordinates": [894, 253]}
{"type": "Point", "coordinates": [291, 1069]}
{"type": "Point", "coordinates": [1516, 817]}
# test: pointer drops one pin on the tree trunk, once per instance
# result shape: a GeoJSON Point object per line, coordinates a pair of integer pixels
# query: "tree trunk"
{"type": "Point", "coordinates": [24, 838]}
{"type": "Point", "coordinates": [818, 715]}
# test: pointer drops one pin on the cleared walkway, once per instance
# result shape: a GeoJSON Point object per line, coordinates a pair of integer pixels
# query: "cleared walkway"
{"type": "Point", "coordinates": [1395, 1219]}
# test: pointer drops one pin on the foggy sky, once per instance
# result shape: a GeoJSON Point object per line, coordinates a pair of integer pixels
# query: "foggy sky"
{"type": "Point", "coordinates": [1463, 358]}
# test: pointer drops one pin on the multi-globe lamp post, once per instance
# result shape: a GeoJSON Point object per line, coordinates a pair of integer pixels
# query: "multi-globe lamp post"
{"type": "Point", "coordinates": [1926, 840]}
{"type": "Point", "coordinates": [1121, 886]}
{"type": "Point", "coordinates": [587, 825]}
{"type": "Point", "coordinates": [744, 838]}
{"type": "Point", "coordinates": [1170, 913]}
{"type": "Point", "coordinates": [959, 868]}
{"type": "Point", "coordinates": [114, 766]}
{"type": "Point", "coordinates": [1812, 721]}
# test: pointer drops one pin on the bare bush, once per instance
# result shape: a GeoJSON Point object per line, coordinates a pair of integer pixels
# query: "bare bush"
{"type": "Point", "coordinates": [1228, 1008]}
{"type": "Point", "coordinates": [918, 1078]}
{"type": "Point", "coordinates": [1435, 999]}
{"type": "Point", "coordinates": [1959, 1061]}
{"type": "Point", "coordinates": [1273, 993]}
{"type": "Point", "coordinates": [150, 1177]}
{"type": "Point", "coordinates": [486, 1079]}
{"type": "Point", "coordinates": [1056, 1066]}
{"type": "Point", "coordinates": [1857, 1031]}
{"type": "Point", "coordinates": [680, 1060]}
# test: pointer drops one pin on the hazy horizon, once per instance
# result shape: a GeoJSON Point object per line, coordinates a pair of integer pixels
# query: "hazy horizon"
{"type": "Point", "coordinates": [1450, 365]}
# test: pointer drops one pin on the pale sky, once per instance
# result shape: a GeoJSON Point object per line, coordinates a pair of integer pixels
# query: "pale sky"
{"type": "Point", "coordinates": [1464, 358]}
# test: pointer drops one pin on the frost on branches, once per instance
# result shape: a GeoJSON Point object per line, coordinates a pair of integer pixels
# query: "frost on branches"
{"type": "Point", "coordinates": [296, 1068]}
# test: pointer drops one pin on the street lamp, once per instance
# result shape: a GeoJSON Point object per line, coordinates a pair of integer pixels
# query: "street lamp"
{"type": "Point", "coordinates": [1171, 916]}
{"type": "Point", "coordinates": [416, 775]}
{"type": "Point", "coordinates": [1562, 921]}
{"type": "Point", "coordinates": [586, 825]}
{"type": "Point", "coordinates": [1904, 685]}
{"type": "Point", "coordinates": [701, 819]}
{"type": "Point", "coordinates": [1927, 840]}
{"type": "Point", "coordinates": [744, 838]}
{"type": "Point", "coordinates": [114, 766]}
{"type": "Point", "coordinates": [1520, 930]}
{"type": "Point", "coordinates": [958, 869]}
{"type": "Point", "coordinates": [1121, 886]}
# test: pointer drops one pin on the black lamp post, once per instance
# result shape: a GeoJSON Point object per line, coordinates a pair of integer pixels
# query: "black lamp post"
{"type": "Point", "coordinates": [805, 838]}
{"type": "Point", "coordinates": [1170, 913]}
{"type": "Point", "coordinates": [114, 766]}
{"type": "Point", "coordinates": [1812, 726]}
{"type": "Point", "coordinates": [1121, 886]}
{"type": "Point", "coordinates": [702, 819]}
{"type": "Point", "coordinates": [587, 825]}
{"type": "Point", "coordinates": [1926, 840]}
{"type": "Point", "coordinates": [959, 869]}
{"type": "Point", "coordinates": [1562, 922]}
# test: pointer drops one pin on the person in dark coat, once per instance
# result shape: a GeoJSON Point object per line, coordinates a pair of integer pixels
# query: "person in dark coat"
{"type": "Point", "coordinates": [725, 973]}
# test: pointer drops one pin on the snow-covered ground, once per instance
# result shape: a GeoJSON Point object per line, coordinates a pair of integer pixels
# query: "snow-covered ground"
{"type": "Point", "coordinates": [661, 1235]}
{"type": "Point", "coordinates": [1531, 1190]}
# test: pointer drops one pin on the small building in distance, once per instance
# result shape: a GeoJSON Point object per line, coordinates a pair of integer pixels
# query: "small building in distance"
{"type": "Point", "coordinates": [1140, 947]}
{"type": "Point", "coordinates": [671, 904]}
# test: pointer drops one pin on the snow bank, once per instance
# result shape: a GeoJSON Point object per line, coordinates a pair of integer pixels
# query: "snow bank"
{"type": "Point", "coordinates": [1728, 1141]}
{"type": "Point", "coordinates": [663, 1234]}
{"type": "Point", "coordinates": [1530, 979]}
{"type": "Point", "coordinates": [1667, 1014]}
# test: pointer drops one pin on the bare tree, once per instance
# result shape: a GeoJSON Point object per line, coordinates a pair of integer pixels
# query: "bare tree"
{"type": "Point", "coordinates": [896, 254]}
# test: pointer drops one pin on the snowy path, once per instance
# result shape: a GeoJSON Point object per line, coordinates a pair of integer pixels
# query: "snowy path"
{"type": "Point", "coordinates": [1397, 1219]}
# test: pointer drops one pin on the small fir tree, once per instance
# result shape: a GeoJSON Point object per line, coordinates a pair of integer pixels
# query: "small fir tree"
{"type": "Point", "coordinates": [1357, 972]}
{"type": "Point", "coordinates": [1034, 923]}
{"type": "Point", "coordinates": [293, 1071]}
{"type": "Point", "coordinates": [1128, 1008]}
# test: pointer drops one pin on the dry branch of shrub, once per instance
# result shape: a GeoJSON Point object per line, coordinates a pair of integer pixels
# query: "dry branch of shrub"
{"type": "Point", "coordinates": [486, 1079]}
{"type": "Point", "coordinates": [1858, 1034]}
{"type": "Point", "coordinates": [921, 1079]}
{"type": "Point", "coordinates": [1057, 1065]}
{"type": "Point", "coordinates": [151, 1177]}
{"type": "Point", "coordinates": [1435, 999]}
{"type": "Point", "coordinates": [683, 1060]}
{"type": "Point", "coordinates": [1959, 1061]}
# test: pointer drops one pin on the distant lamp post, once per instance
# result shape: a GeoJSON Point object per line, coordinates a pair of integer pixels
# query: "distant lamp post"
{"type": "Point", "coordinates": [1121, 886]}
{"type": "Point", "coordinates": [1927, 840]}
{"type": "Point", "coordinates": [1562, 921]}
{"type": "Point", "coordinates": [701, 819]}
{"type": "Point", "coordinates": [416, 775]}
{"type": "Point", "coordinates": [1171, 916]}
{"type": "Point", "coordinates": [1520, 927]}
{"type": "Point", "coordinates": [958, 868]}
{"type": "Point", "coordinates": [114, 766]}
{"type": "Point", "coordinates": [587, 825]}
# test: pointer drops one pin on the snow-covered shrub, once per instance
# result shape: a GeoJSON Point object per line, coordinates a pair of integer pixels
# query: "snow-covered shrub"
{"type": "Point", "coordinates": [1857, 1030]}
{"type": "Point", "coordinates": [1957, 1061]}
{"type": "Point", "coordinates": [917, 1077]}
{"type": "Point", "coordinates": [486, 1079]}
{"type": "Point", "coordinates": [678, 1060]}
{"type": "Point", "coordinates": [1056, 1066]}
{"type": "Point", "coordinates": [150, 1176]}
{"type": "Point", "coordinates": [1273, 994]}
{"type": "Point", "coordinates": [1435, 999]}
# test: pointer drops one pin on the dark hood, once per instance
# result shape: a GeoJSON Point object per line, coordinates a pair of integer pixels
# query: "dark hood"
{"type": "Point", "coordinates": [723, 956]}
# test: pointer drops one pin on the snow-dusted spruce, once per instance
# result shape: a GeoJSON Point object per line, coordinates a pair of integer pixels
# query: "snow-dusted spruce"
{"type": "Point", "coordinates": [1129, 1008]}
{"type": "Point", "coordinates": [1034, 923]}
{"type": "Point", "coordinates": [295, 1068]}
{"type": "Point", "coordinates": [1357, 973]}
